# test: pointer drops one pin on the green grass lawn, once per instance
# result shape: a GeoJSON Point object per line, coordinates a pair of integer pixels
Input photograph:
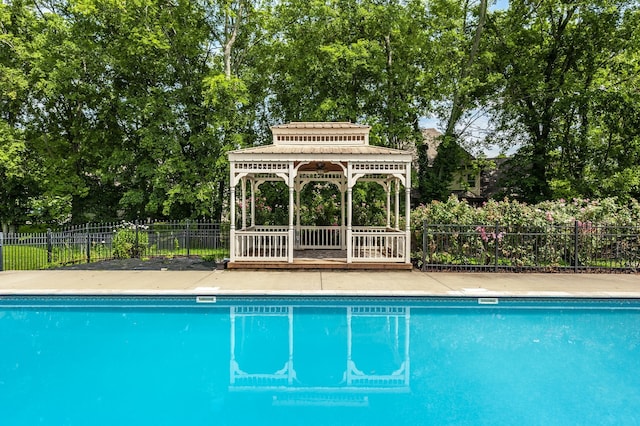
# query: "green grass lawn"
{"type": "Point", "coordinates": [35, 257]}
{"type": "Point", "coordinates": [24, 257]}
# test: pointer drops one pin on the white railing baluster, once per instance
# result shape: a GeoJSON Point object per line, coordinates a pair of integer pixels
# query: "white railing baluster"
{"type": "Point", "coordinates": [319, 237]}
{"type": "Point", "coordinates": [262, 245]}
{"type": "Point", "coordinates": [270, 243]}
{"type": "Point", "coordinates": [376, 246]}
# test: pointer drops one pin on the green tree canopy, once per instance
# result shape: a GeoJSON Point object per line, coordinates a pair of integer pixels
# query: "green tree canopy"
{"type": "Point", "coordinates": [127, 109]}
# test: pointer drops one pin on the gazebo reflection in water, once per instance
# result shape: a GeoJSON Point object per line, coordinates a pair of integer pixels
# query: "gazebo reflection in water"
{"type": "Point", "coordinates": [309, 355]}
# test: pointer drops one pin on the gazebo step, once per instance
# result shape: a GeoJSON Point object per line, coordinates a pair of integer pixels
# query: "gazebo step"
{"type": "Point", "coordinates": [318, 264]}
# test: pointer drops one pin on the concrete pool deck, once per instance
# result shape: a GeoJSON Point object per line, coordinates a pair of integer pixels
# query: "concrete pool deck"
{"type": "Point", "coordinates": [319, 283]}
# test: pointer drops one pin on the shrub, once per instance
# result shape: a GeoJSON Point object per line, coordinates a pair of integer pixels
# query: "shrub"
{"type": "Point", "coordinates": [607, 211]}
{"type": "Point", "coordinates": [128, 243]}
{"type": "Point", "coordinates": [529, 235]}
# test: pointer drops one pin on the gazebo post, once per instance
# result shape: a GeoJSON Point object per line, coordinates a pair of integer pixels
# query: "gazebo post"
{"type": "Point", "coordinates": [343, 242]}
{"type": "Point", "coordinates": [407, 216]}
{"type": "Point", "coordinates": [243, 182]}
{"type": "Point", "coordinates": [232, 218]}
{"type": "Point", "coordinates": [387, 188]}
{"type": "Point", "coordinates": [396, 184]}
{"type": "Point", "coordinates": [291, 184]}
{"type": "Point", "coordinates": [253, 203]}
{"type": "Point", "coordinates": [349, 215]}
{"type": "Point", "coordinates": [298, 188]}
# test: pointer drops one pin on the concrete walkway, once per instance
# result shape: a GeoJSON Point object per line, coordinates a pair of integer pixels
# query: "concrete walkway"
{"type": "Point", "coordinates": [323, 283]}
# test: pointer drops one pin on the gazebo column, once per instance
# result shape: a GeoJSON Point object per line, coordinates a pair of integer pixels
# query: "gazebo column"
{"type": "Point", "coordinates": [387, 188]}
{"type": "Point", "coordinates": [291, 183]}
{"type": "Point", "coordinates": [397, 204]}
{"type": "Point", "coordinates": [232, 209]}
{"type": "Point", "coordinates": [298, 188]}
{"type": "Point", "coordinates": [349, 214]}
{"type": "Point", "coordinates": [243, 182]}
{"type": "Point", "coordinates": [407, 216]}
{"type": "Point", "coordinates": [253, 203]}
{"type": "Point", "coordinates": [343, 237]}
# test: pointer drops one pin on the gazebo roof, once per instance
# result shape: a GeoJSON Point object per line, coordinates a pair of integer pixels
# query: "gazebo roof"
{"type": "Point", "coordinates": [320, 125]}
{"type": "Point", "coordinates": [320, 150]}
{"type": "Point", "coordinates": [316, 140]}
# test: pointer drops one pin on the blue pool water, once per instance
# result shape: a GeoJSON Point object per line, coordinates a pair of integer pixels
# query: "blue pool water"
{"type": "Point", "coordinates": [230, 361]}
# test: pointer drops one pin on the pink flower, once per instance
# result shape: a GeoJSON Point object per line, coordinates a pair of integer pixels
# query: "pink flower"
{"type": "Point", "coordinates": [483, 233]}
{"type": "Point", "coordinates": [549, 216]}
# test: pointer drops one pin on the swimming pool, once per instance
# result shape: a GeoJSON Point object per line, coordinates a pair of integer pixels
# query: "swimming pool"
{"type": "Point", "coordinates": [306, 361]}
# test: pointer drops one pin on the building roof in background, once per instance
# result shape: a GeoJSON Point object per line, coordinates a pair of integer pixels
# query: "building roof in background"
{"type": "Point", "coordinates": [431, 139]}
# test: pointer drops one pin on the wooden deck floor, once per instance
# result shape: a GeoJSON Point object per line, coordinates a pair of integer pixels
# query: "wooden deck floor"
{"type": "Point", "coordinates": [320, 259]}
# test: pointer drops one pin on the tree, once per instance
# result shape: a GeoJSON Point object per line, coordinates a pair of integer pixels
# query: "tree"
{"type": "Point", "coordinates": [358, 61]}
{"type": "Point", "coordinates": [17, 185]}
{"type": "Point", "coordinates": [466, 86]}
{"type": "Point", "coordinates": [233, 90]}
{"type": "Point", "coordinates": [553, 57]}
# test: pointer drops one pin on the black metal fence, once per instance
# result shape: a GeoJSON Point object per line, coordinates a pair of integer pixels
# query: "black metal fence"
{"type": "Point", "coordinates": [580, 247]}
{"type": "Point", "coordinates": [96, 242]}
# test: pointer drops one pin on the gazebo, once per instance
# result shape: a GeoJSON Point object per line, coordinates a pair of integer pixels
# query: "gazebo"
{"type": "Point", "coordinates": [330, 152]}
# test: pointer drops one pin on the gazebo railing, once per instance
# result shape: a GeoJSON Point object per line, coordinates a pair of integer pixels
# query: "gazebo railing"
{"type": "Point", "coordinates": [270, 242]}
{"type": "Point", "coordinates": [318, 237]}
{"type": "Point", "coordinates": [262, 245]}
{"type": "Point", "coordinates": [375, 246]}
{"type": "Point", "coordinates": [267, 228]}
{"type": "Point", "coordinates": [377, 229]}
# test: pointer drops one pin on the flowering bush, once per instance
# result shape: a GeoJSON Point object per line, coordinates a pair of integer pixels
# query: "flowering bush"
{"type": "Point", "coordinates": [320, 205]}
{"type": "Point", "coordinates": [128, 243]}
{"type": "Point", "coordinates": [607, 211]}
{"type": "Point", "coordinates": [551, 233]}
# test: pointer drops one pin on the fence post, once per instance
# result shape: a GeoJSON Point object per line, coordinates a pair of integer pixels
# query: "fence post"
{"type": "Point", "coordinates": [49, 246]}
{"type": "Point", "coordinates": [495, 260]}
{"type": "Point", "coordinates": [575, 246]}
{"type": "Point", "coordinates": [187, 241]}
{"type": "Point", "coordinates": [136, 248]}
{"type": "Point", "coordinates": [1, 258]}
{"type": "Point", "coordinates": [424, 245]}
{"type": "Point", "coordinates": [86, 229]}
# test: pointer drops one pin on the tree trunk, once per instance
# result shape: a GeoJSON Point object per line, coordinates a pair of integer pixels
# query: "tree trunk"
{"type": "Point", "coordinates": [456, 107]}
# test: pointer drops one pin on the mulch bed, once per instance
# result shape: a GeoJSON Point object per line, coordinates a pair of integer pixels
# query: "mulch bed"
{"type": "Point", "coordinates": [192, 263]}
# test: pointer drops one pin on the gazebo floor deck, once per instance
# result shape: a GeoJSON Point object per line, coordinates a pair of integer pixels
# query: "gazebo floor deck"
{"type": "Point", "coordinates": [319, 259]}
